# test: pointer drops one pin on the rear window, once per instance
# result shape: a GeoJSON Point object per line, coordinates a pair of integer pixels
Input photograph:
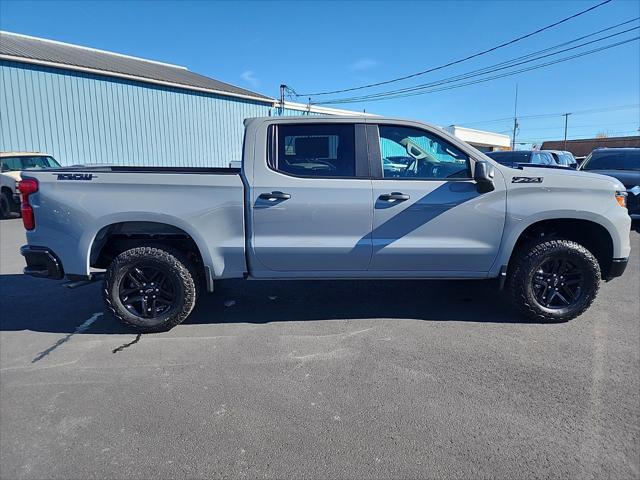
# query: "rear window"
{"type": "Point", "coordinates": [314, 150]}
{"type": "Point", "coordinates": [612, 160]}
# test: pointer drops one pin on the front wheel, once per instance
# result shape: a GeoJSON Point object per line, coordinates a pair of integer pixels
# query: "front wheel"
{"type": "Point", "coordinates": [5, 205]}
{"type": "Point", "coordinates": [150, 288]}
{"type": "Point", "coordinates": [553, 280]}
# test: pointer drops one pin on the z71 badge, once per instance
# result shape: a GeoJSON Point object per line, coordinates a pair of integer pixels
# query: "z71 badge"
{"type": "Point", "coordinates": [75, 176]}
{"type": "Point", "coordinates": [527, 179]}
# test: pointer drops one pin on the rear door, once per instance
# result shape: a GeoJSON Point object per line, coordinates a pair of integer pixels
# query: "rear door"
{"type": "Point", "coordinates": [429, 217]}
{"type": "Point", "coordinates": [311, 205]}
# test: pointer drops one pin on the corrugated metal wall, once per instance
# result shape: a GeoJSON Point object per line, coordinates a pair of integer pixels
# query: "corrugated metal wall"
{"type": "Point", "coordinates": [84, 118]}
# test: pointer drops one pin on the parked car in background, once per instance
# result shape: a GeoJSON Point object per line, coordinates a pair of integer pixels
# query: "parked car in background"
{"type": "Point", "coordinates": [580, 160]}
{"type": "Point", "coordinates": [563, 158]}
{"type": "Point", "coordinates": [622, 164]}
{"type": "Point", "coordinates": [11, 164]}
{"type": "Point", "coordinates": [315, 199]}
{"type": "Point", "coordinates": [391, 166]}
{"type": "Point", "coordinates": [515, 157]}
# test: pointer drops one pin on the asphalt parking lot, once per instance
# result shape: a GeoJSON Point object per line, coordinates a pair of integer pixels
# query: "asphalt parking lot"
{"type": "Point", "coordinates": [317, 380]}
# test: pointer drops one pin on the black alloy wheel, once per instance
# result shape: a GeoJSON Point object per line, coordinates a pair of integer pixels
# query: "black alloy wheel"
{"type": "Point", "coordinates": [558, 283]}
{"type": "Point", "coordinates": [147, 291]}
{"type": "Point", "coordinates": [553, 279]}
{"type": "Point", "coordinates": [151, 288]}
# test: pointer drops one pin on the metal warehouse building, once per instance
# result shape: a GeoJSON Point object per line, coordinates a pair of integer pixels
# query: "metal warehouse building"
{"type": "Point", "coordinates": [83, 105]}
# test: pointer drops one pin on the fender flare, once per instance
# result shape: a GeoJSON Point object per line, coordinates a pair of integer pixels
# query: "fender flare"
{"type": "Point", "coordinates": [87, 241]}
{"type": "Point", "coordinates": [515, 227]}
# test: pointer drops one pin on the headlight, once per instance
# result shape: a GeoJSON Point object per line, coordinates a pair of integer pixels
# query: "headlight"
{"type": "Point", "coordinates": [621, 197]}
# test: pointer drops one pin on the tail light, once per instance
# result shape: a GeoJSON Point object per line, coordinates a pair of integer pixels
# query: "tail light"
{"type": "Point", "coordinates": [26, 188]}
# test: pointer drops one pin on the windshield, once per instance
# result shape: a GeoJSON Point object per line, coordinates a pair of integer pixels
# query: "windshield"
{"type": "Point", "coordinates": [511, 157]}
{"type": "Point", "coordinates": [15, 164]}
{"type": "Point", "coordinates": [612, 160]}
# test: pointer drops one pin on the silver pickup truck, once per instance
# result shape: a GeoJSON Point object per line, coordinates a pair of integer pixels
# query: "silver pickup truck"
{"type": "Point", "coordinates": [327, 198]}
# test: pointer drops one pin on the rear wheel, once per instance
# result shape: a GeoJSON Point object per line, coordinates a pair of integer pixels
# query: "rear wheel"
{"type": "Point", "coordinates": [150, 288]}
{"type": "Point", "coordinates": [553, 280]}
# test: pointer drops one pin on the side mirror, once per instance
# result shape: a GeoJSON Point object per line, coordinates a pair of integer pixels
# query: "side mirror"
{"type": "Point", "coordinates": [483, 175]}
{"type": "Point", "coordinates": [3, 167]}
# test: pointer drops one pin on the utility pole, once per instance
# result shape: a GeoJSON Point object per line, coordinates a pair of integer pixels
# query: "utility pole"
{"type": "Point", "coordinates": [282, 90]}
{"type": "Point", "coordinates": [566, 123]}
{"type": "Point", "coordinates": [515, 121]}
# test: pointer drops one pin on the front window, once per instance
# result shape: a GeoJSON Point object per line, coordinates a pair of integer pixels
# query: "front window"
{"type": "Point", "coordinates": [315, 150]}
{"type": "Point", "coordinates": [624, 160]}
{"type": "Point", "coordinates": [416, 154]}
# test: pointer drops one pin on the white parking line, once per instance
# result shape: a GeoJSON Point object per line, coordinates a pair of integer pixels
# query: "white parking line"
{"type": "Point", "coordinates": [81, 328]}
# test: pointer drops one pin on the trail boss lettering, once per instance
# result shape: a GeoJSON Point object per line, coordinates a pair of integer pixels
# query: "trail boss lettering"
{"type": "Point", "coordinates": [75, 176]}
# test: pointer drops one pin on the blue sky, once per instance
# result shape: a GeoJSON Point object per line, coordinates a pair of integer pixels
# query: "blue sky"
{"type": "Point", "coordinates": [319, 46]}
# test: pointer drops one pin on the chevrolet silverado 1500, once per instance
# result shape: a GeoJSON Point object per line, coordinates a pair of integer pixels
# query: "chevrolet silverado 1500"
{"type": "Point", "coordinates": [327, 197]}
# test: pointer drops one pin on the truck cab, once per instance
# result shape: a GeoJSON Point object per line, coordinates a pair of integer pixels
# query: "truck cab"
{"type": "Point", "coordinates": [324, 202]}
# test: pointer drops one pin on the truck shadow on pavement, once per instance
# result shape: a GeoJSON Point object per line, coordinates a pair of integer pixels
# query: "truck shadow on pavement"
{"type": "Point", "coordinates": [42, 305]}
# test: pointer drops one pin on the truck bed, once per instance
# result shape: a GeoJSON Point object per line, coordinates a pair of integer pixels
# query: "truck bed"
{"type": "Point", "coordinates": [75, 206]}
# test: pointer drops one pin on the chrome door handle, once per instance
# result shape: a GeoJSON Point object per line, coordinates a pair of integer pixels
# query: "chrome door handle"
{"type": "Point", "coordinates": [274, 196]}
{"type": "Point", "coordinates": [394, 196]}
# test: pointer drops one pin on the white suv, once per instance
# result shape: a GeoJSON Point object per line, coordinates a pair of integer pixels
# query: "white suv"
{"type": "Point", "coordinates": [11, 164]}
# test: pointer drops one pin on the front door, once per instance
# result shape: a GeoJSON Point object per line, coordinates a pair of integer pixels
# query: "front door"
{"type": "Point", "coordinates": [428, 214]}
{"type": "Point", "coordinates": [311, 207]}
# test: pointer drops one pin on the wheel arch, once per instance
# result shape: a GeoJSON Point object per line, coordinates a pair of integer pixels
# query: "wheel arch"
{"type": "Point", "coordinates": [595, 236]}
{"type": "Point", "coordinates": [113, 238]}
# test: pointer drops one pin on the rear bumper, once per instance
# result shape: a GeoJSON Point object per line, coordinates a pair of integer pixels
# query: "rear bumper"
{"type": "Point", "coordinates": [618, 266]}
{"type": "Point", "coordinates": [41, 262]}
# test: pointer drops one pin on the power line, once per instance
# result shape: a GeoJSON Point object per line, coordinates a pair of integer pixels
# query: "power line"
{"type": "Point", "coordinates": [574, 127]}
{"type": "Point", "coordinates": [483, 80]}
{"type": "Point", "coordinates": [455, 62]}
{"type": "Point", "coordinates": [547, 115]}
{"type": "Point", "coordinates": [508, 63]}
{"type": "Point", "coordinates": [627, 133]}
{"type": "Point", "coordinates": [485, 70]}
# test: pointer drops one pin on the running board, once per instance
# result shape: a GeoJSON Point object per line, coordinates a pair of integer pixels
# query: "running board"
{"type": "Point", "coordinates": [94, 277]}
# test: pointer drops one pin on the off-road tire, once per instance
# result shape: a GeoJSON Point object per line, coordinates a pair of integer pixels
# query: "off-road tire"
{"type": "Point", "coordinates": [173, 264]}
{"type": "Point", "coordinates": [5, 205]}
{"type": "Point", "coordinates": [526, 263]}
